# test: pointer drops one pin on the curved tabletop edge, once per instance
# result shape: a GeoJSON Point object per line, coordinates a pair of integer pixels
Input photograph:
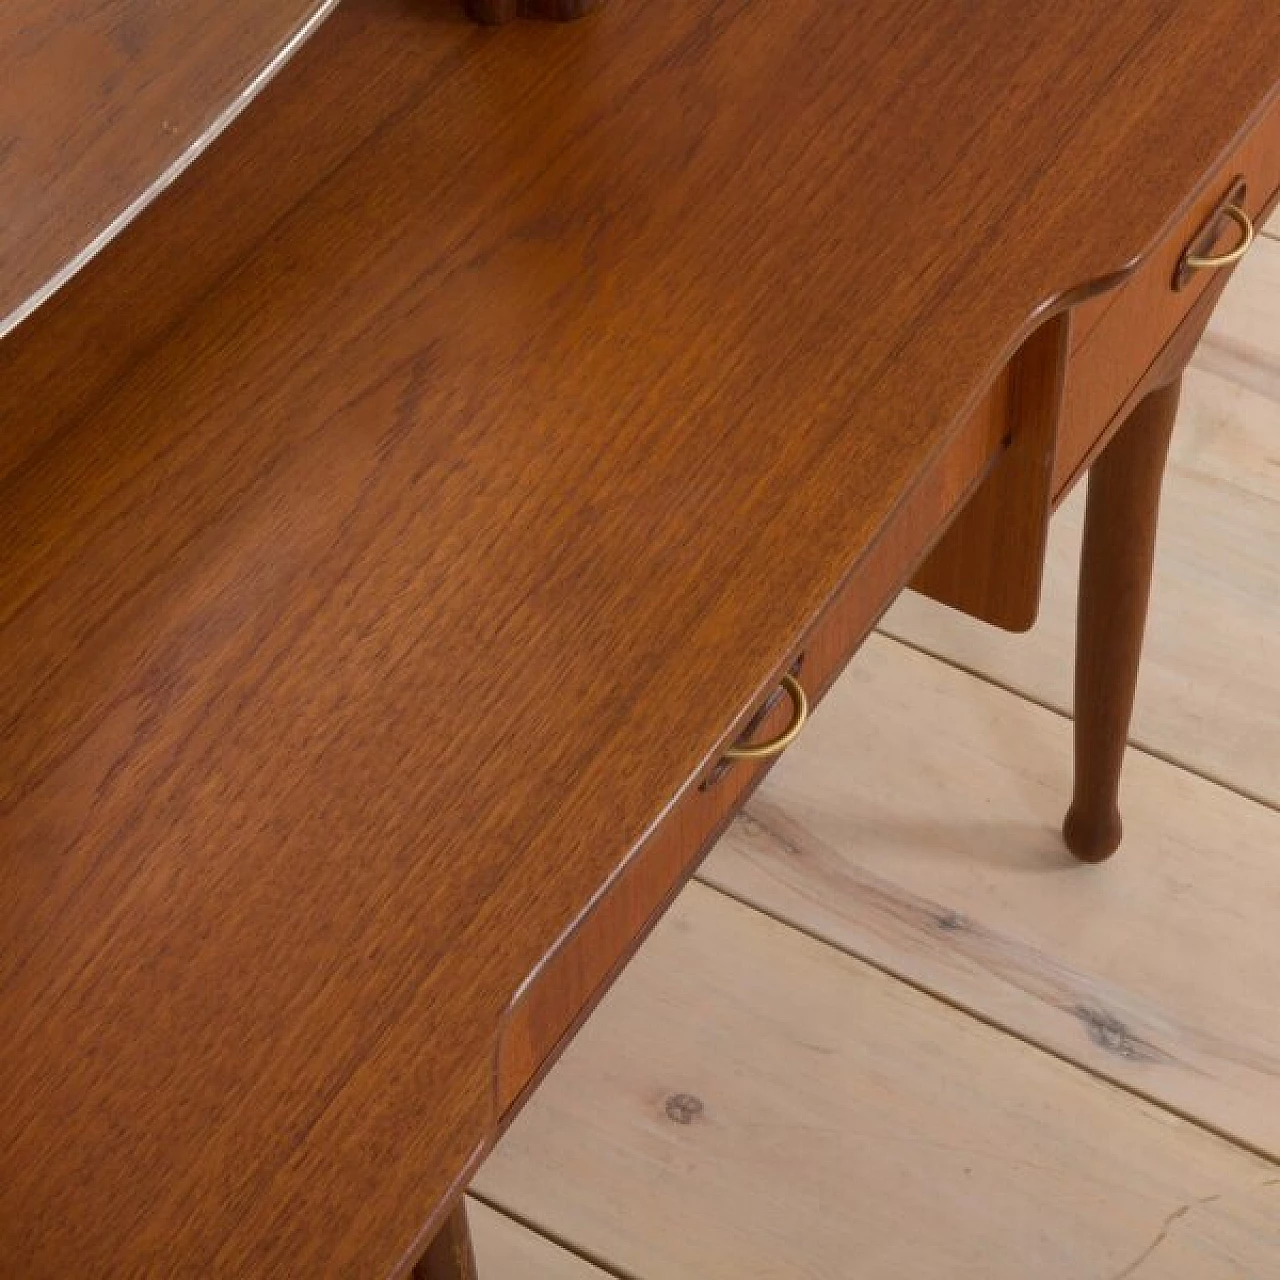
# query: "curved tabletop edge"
{"type": "Point", "coordinates": [82, 210]}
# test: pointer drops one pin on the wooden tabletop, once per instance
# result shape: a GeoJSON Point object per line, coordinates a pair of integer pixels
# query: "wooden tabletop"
{"type": "Point", "coordinates": [103, 103]}
{"type": "Point", "coordinates": [369, 611]}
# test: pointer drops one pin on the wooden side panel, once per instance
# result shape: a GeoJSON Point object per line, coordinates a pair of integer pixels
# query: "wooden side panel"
{"type": "Point", "coordinates": [990, 562]}
{"type": "Point", "coordinates": [569, 982]}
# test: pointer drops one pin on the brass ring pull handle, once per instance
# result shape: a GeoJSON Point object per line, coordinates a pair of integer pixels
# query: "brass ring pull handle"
{"type": "Point", "coordinates": [1208, 262]}
{"type": "Point", "coordinates": [776, 746]}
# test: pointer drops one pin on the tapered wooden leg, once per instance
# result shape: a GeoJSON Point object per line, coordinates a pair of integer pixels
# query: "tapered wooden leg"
{"type": "Point", "coordinates": [1115, 584]}
{"type": "Point", "coordinates": [450, 1256]}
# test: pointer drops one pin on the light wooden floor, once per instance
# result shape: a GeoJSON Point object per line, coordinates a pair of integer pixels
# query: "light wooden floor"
{"type": "Point", "coordinates": [892, 1030]}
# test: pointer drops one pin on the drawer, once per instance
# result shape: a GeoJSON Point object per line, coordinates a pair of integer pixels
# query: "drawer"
{"type": "Point", "coordinates": [1117, 336]}
{"type": "Point", "coordinates": [573, 976]}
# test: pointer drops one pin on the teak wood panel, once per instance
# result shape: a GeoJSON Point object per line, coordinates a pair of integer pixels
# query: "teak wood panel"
{"type": "Point", "coordinates": [573, 975]}
{"type": "Point", "coordinates": [101, 104]}
{"type": "Point", "coordinates": [1123, 333]}
{"type": "Point", "coordinates": [991, 560]}
{"type": "Point", "coordinates": [380, 601]}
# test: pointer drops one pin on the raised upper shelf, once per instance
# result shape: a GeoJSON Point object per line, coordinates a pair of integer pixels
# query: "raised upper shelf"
{"type": "Point", "coordinates": [103, 103]}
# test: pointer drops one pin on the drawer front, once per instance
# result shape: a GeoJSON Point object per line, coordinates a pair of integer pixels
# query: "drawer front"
{"type": "Point", "coordinates": [579, 969]}
{"type": "Point", "coordinates": [1116, 337]}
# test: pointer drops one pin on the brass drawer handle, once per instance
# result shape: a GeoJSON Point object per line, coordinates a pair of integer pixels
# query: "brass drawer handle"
{"type": "Point", "coordinates": [776, 746]}
{"type": "Point", "coordinates": [1198, 262]}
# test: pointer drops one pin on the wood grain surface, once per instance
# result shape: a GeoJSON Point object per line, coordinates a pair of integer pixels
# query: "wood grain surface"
{"type": "Point", "coordinates": [103, 104]}
{"type": "Point", "coordinates": [783, 1110]}
{"type": "Point", "coordinates": [917, 826]}
{"type": "Point", "coordinates": [386, 599]}
{"type": "Point", "coordinates": [574, 974]}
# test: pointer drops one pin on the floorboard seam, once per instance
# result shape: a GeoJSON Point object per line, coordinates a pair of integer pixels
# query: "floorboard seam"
{"type": "Point", "coordinates": [521, 1220]}
{"type": "Point", "coordinates": [1155, 753]}
{"type": "Point", "coordinates": [987, 1020]}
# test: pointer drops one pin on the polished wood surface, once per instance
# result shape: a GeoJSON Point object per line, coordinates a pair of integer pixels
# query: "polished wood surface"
{"type": "Point", "coordinates": [386, 600]}
{"type": "Point", "coordinates": [1115, 585]}
{"type": "Point", "coordinates": [102, 104]}
{"type": "Point", "coordinates": [575, 973]}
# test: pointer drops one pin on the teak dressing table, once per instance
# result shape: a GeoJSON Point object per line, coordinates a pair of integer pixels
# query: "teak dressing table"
{"type": "Point", "coordinates": [428, 507]}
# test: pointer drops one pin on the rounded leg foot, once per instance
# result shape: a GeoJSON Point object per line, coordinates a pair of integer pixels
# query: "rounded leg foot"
{"type": "Point", "coordinates": [1092, 837]}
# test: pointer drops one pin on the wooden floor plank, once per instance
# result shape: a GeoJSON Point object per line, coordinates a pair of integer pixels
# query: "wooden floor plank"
{"type": "Point", "coordinates": [1209, 695]}
{"type": "Point", "coordinates": [1243, 338]}
{"type": "Point", "coordinates": [507, 1251]}
{"type": "Point", "coordinates": [916, 824]}
{"type": "Point", "coordinates": [750, 1103]}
